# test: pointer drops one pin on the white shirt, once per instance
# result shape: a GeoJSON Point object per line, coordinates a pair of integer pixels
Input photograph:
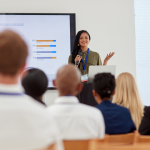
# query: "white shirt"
{"type": "Point", "coordinates": [24, 123]}
{"type": "Point", "coordinates": [76, 120]}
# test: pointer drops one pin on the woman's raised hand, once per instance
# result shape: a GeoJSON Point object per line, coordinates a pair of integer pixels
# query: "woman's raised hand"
{"type": "Point", "coordinates": [78, 58]}
{"type": "Point", "coordinates": [108, 57]}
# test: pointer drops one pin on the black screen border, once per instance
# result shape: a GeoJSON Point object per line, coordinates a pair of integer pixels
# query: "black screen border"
{"type": "Point", "coordinates": [72, 28]}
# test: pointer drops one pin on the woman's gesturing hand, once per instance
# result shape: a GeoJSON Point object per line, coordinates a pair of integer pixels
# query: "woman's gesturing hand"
{"type": "Point", "coordinates": [108, 57]}
{"type": "Point", "coordinates": [78, 58]}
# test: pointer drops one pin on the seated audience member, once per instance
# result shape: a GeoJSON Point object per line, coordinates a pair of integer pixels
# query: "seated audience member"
{"type": "Point", "coordinates": [127, 95]}
{"type": "Point", "coordinates": [144, 127]}
{"type": "Point", "coordinates": [76, 121]}
{"type": "Point", "coordinates": [24, 122]}
{"type": "Point", "coordinates": [117, 118]}
{"type": "Point", "coordinates": [35, 84]}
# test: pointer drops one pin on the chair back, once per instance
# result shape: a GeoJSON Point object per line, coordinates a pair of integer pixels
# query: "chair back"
{"type": "Point", "coordinates": [130, 141]}
{"type": "Point", "coordinates": [76, 144]}
{"type": "Point", "coordinates": [120, 147]}
{"type": "Point", "coordinates": [80, 144]}
{"type": "Point", "coordinates": [121, 139]}
{"type": "Point", "coordinates": [139, 139]}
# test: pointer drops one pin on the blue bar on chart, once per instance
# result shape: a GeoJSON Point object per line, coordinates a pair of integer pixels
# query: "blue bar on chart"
{"type": "Point", "coordinates": [45, 40]}
{"type": "Point", "coordinates": [44, 51]}
{"type": "Point", "coordinates": [45, 45]}
{"type": "Point", "coordinates": [46, 57]}
{"type": "Point", "coordinates": [52, 45]}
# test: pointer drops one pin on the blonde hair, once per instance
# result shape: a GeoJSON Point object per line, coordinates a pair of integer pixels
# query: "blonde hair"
{"type": "Point", "coordinates": [127, 95]}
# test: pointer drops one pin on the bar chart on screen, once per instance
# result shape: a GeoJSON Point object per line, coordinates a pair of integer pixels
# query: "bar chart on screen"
{"type": "Point", "coordinates": [47, 38]}
{"type": "Point", "coordinates": [44, 49]}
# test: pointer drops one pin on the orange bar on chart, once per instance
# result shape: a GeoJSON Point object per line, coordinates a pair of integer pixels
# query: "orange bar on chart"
{"type": "Point", "coordinates": [44, 40]}
{"type": "Point", "coordinates": [53, 57]}
{"type": "Point", "coordinates": [42, 45]}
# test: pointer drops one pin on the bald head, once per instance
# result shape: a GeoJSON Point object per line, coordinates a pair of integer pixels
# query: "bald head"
{"type": "Point", "coordinates": [68, 80]}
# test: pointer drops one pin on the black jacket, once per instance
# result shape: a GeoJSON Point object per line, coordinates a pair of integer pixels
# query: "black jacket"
{"type": "Point", "coordinates": [144, 128]}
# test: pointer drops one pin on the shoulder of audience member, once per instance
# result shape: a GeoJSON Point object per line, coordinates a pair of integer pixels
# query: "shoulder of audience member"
{"type": "Point", "coordinates": [30, 105]}
{"type": "Point", "coordinates": [147, 111]}
{"type": "Point", "coordinates": [89, 108]}
{"type": "Point", "coordinates": [122, 109]}
{"type": "Point", "coordinates": [125, 111]}
{"type": "Point", "coordinates": [34, 113]}
{"type": "Point", "coordinates": [82, 110]}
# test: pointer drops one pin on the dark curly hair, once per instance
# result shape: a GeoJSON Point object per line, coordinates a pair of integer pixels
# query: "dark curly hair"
{"type": "Point", "coordinates": [104, 84]}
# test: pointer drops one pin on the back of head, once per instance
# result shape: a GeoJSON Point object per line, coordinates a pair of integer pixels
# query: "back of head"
{"type": "Point", "coordinates": [104, 84]}
{"type": "Point", "coordinates": [35, 83]}
{"type": "Point", "coordinates": [67, 80]}
{"type": "Point", "coordinates": [13, 53]}
{"type": "Point", "coordinates": [127, 95]}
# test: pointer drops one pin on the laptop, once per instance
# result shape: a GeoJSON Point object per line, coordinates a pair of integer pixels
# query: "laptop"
{"type": "Point", "coordinates": [93, 70]}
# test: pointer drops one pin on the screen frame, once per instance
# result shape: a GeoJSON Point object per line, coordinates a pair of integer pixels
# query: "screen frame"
{"type": "Point", "coordinates": [72, 28]}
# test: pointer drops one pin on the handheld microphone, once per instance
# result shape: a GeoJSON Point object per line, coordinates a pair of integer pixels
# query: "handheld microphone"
{"type": "Point", "coordinates": [79, 53]}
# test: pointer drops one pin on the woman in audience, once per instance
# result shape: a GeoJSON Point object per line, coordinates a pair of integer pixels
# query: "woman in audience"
{"type": "Point", "coordinates": [35, 84]}
{"type": "Point", "coordinates": [117, 118]}
{"type": "Point", "coordinates": [127, 95]}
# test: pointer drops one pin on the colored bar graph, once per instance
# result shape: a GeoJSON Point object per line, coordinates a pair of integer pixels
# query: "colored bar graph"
{"type": "Point", "coordinates": [42, 45]}
{"type": "Point", "coordinates": [46, 57]}
{"type": "Point", "coordinates": [44, 51]}
{"type": "Point", "coordinates": [45, 40]}
{"type": "Point", "coordinates": [52, 45]}
{"type": "Point", "coordinates": [45, 45]}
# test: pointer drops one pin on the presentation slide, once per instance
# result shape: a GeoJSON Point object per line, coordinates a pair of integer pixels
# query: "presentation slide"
{"type": "Point", "coordinates": [47, 37]}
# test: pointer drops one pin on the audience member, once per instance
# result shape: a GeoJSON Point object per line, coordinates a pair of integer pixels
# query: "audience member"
{"type": "Point", "coordinates": [144, 127]}
{"type": "Point", "coordinates": [127, 95]}
{"type": "Point", "coordinates": [117, 118]}
{"type": "Point", "coordinates": [75, 120]}
{"type": "Point", "coordinates": [35, 84]}
{"type": "Point", "coordinates": [24, 122]}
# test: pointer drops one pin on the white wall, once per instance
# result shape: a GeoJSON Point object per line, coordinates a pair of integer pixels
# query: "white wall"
{"type": "Point", "coordinates": [109, 22]}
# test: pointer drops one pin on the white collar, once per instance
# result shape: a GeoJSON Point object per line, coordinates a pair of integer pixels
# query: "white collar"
{"type": "Point", "coordinates": [11, 88]}
{"type": "Point", "coordinates": [66, 100]}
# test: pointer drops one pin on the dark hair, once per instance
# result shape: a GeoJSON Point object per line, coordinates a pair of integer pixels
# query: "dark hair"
{"type": "Point", "coordinates": [35, 83]}
{"type": "Point", "coordinates": [76, 47]}
{"type": "Point", "coordinates": [104, 84]}
{"type": "Point", "coordinates": [13, 52]}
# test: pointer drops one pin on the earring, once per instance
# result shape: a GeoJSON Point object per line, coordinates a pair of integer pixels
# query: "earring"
{"type": "Point", "coordinates": [78, 45]}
